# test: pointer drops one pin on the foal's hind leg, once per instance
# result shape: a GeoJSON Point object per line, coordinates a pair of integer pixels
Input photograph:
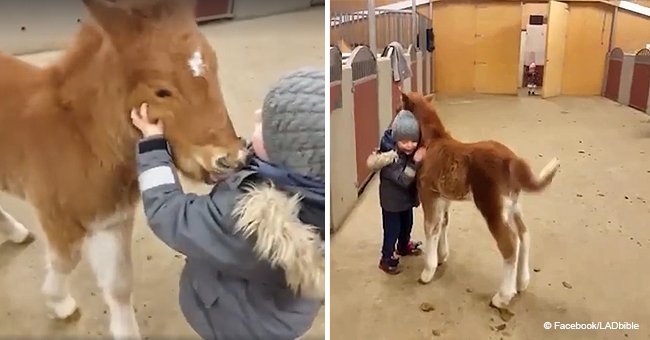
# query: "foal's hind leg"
{"type": "Point", "coordinates": [523, 269]}
{"type": "Point", "coordinates": [434, 209]}
{"type": "Point", "coordinates": [63, 252]}
{"type": "Point", "coordinates": [108, 247]}
{"type": "Point", "coordinates": [14, 230]}
{"type": "Point", "coordinates": [443, 244]}
{"type": "Point", "coordinates": [492, 208]}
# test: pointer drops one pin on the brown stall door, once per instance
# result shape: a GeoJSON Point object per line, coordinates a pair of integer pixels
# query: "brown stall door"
{"type": "Point", "coordinates": [555, 45]}
{"type": "Point", "coordinates": [366, 124]}
{"type": "Point", "coordinates": [213, 9]}
{"type": "Point", "coordinates": [497, 45]}
{"type": "Point", "coordinates": [640, 85]}
{"type": "Point", "coordinates": [613, 81]}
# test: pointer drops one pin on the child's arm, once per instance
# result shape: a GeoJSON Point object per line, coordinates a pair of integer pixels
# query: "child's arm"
{"type": "Point", "coordinates": [377, 160]}
{"type": "Point", "coordinates": [231, 230]}
{"type": "Point", "coordinates": [404, 173]}
{"type": "Point", "coordinates": [384, 154]}
{"type": "Point", "coordinates": [188, 223]}
{"type": "Point", "coordinates": [400, 173]}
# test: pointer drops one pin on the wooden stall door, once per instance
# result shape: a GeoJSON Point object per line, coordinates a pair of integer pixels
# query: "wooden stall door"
{"type": "Point", "coordinates": [366, 124]}
{"type": "Point", "coordinates": [640, 88]}
{"type": "Point", "coordinates": [497, 44]}
{"type": "Point", "coordinates": [555, 45]}
{"type": "Point", "coordinates": [587, 44]}
{"type": "Point", "coordinates": [614, 70]}
{"type": "Point", "coordinates": [454, 57]}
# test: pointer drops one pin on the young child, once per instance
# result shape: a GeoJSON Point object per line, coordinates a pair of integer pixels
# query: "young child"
{"type": "Point", "coordinates": [399, 158]}
{"type": "Point", "coordinates": [531, 79]}
{"type": "Point", "coordinates": [254, 269]}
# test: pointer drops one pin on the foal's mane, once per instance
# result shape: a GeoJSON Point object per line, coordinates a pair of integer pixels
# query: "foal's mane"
{"type": "Point", "coordinates": [431, 127]}
{"type": "Point", "coordinates": [82, 68]}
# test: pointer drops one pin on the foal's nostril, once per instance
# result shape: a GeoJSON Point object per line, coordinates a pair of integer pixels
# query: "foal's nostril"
{"type": "Point", "coordinates": [222, 162]}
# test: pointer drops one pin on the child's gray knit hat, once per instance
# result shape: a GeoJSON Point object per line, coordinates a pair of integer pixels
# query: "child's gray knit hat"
{"type": "Point", "coordinates": [293, 122]}
{"type": "Point", "coordinates": [405, 127]}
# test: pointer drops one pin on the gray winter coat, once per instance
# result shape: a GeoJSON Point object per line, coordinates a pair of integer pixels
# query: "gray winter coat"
{"type": "Point", "coordinates": [397, 187]}
{"type": "Point", "coordinates": [246, 276]}
{"type": "Point", "coordinates": [397, 176]}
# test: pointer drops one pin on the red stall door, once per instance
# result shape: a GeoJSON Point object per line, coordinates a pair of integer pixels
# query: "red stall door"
{"type": "Point", "coordinates": [213, 9]}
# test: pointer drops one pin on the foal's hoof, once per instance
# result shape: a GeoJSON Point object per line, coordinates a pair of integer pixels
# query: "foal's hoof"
{"type": "Point", "coordinates": [501, 301]}
{"type": "Point", "coordinates": [522, 284]}
{"type": "Point", "coordinates": [27, 240]}
{"type": "Point", "coordinates": [426, 276]}
{"type": "Point", "coordinates": [21, 235]}
{"type": "Point", "coordinates": [74, 317]}
{"type": "Point", "coordinates": [65, 310]}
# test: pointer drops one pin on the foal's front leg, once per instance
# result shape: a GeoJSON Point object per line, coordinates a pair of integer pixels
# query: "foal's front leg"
{"type": "Point", "coordinates": [109, 248]}
{"type": "Point", "coordinates": [433, 212]}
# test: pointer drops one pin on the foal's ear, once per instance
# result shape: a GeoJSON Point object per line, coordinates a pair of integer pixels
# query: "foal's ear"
{"type": "Point", "coordinates": [407, 103]}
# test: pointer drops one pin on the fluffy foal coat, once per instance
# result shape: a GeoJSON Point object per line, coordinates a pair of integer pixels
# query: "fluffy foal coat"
{"type": "Point", "coordinates": [491, 175]}
{"type": "Point", "coordinates": [67, 144]}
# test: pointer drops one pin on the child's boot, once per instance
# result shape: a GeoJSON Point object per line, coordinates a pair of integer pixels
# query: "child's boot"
{"type": "Point", "coordinates": [390, 265]}
{"type": "Point", "coordinates": [412, 249]}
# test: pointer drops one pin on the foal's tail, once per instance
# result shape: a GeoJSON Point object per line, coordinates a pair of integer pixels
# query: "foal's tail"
{"type": "Point", "coordinates": [522, 176]}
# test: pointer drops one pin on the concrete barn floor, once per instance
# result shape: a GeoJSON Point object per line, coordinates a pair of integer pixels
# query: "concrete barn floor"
{"type": "Point", "coordinates": [590, 234]}
{"type": "Point", "coordinates": [252, 54]}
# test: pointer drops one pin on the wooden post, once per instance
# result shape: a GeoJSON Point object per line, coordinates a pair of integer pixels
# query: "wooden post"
{"type": "Point", "coordinates": [372, 27]}
{"type": "Point", "coordinates": [414, 21]}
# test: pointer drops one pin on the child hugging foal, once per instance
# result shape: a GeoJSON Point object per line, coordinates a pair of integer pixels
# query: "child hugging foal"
{"type": "Point", "coordinates": [398, 158]}
{"type": "Point", "coordinates": [255, 265]}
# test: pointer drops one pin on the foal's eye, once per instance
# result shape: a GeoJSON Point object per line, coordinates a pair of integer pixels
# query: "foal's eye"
{"type": "Point", "coordinates": [162, 93]}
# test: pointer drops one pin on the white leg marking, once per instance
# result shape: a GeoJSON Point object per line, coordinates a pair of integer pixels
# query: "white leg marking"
{"type": "Point", "coordinates": [508, 212]}
{"type": "Point", "coordinates": [523, 269]}
{"type": "Point", "coordinates": [430, 256]}
{"type": "Point", "coordinates": [432, 233]}
{"type": "Point", "coordinates": [56, 290]}
{"type": "Point", "coordinates": [15, 231]}
{"type": "Point", "coordinates": [508, 283]}
{"type": "Point", "coordinates": [508, 287]}
{"type": "Point", "coordinates": [443, 244]}
{"type": "Point", "coordinates": [109, 255]}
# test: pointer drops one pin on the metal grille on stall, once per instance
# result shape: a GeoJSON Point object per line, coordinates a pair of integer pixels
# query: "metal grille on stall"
{"type": "Point", "coordinates": [350, 27]}
{"type": "Point", "coordinates": [336, 72]}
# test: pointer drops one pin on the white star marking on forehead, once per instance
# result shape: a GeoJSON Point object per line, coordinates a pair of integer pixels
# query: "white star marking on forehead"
{"type": "Point", "coordinates": [196, 64]}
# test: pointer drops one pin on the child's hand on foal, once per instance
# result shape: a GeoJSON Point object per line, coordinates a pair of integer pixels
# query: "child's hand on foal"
{"type": "Point", "coordinates": [140, 118]}
{"type": "Point", "coordinates": [419, 154]}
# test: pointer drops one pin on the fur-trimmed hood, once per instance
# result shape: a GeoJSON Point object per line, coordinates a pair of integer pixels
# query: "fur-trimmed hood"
{"type": "Point", "coordinates": [270, 217]}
